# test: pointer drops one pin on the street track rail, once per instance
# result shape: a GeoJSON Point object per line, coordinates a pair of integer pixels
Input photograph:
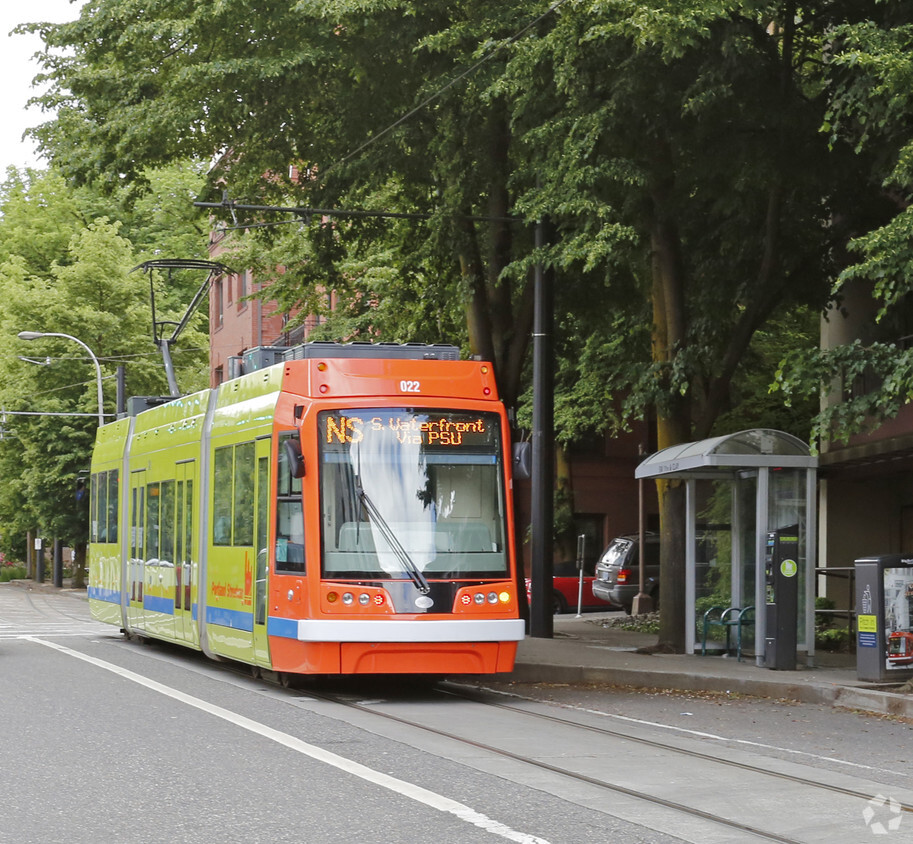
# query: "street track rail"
{"type": "Point", "coordinates": [453, 690]}
{"type": "Point", "coordinates": [478, 697]}
{"type": "Point", "coordinates": [25, 611]}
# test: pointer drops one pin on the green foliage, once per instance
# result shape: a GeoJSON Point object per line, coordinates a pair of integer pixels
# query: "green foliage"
{"type": "Point", "coordinates": [66, 267]}
{"type": "Point", "coordinates": [836, 640]}
{"type": "Point", "coordinates": [11, 572]}
{"type": "Point", "coordinates": [708, 167]}
{"type": "Point", "coordinates": [828, 635]}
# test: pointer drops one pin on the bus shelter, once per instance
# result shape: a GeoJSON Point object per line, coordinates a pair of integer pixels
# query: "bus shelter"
{"type": "Point", "coordinates": [742, 490]}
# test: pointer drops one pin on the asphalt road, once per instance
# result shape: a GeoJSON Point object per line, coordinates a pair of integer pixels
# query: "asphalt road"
{"type": "Point", "coordinates": [104, 740]}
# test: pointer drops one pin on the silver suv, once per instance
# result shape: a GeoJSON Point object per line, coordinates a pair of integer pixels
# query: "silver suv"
{"type": "Point", "coordinates": [617, 576]}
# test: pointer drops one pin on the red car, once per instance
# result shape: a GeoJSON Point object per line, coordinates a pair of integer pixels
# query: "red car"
{"type": "Point", "coordinates": [565, 585]}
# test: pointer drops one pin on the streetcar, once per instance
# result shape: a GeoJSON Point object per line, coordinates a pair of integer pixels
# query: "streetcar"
{"type": "Point", "coordinates": [346, 510]}
{"type": "Point", "coordinates": [900, 648]}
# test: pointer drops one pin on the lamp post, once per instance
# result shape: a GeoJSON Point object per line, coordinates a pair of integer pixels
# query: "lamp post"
{"type": "Point", "coordinates": [36, 335]}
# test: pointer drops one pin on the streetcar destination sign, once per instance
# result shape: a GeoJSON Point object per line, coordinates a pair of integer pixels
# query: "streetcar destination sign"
{"type": "Point", "coordinates": [449, 430]}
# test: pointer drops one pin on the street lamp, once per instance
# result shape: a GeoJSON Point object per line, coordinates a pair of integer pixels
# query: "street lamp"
{"type": "Point", "coordinates": [36, 335]}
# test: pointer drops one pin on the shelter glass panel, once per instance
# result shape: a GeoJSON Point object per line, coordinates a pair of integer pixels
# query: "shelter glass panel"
{"type": "Point", "coordinates": [747, 503]}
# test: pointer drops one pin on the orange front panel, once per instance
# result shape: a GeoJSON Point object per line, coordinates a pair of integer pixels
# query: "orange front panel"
{"type": "Point", "coordinates": [418, 658]}
{"type": "Point", "coordinates": [294, 657]}
{"type": "Point", "coordinates": [408, 380]}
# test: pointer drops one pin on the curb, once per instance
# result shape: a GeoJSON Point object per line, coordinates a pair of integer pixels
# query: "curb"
{"type": "Point", "coordinates": [44, 586]}
{"type": "Point", "coordinates": [847, 697]}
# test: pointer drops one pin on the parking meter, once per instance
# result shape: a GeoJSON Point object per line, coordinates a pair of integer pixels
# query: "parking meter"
{"type": "Point", "coordinates": [781, 570]}
{"type": "Point", "coordinates": [581, 557]}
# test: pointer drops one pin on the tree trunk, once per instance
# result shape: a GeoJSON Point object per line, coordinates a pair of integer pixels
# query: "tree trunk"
{"type": "Point", "coordinates": [79, 565]}
{"type": "Point", "coordinates": [672, 419]}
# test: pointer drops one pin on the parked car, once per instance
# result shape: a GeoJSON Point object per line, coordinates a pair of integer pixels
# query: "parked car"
{"type": "Point", "coordinates": [565, 585]}
{"type": "Point", "coordinates": [617, 577]}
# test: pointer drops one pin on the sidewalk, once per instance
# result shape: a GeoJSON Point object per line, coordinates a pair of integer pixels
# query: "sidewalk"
{"type": "Point", "coordinates": [583, 651]}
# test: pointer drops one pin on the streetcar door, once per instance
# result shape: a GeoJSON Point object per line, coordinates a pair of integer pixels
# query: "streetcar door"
{"type": "Point", "coordinates": [136, 561]}
{"type": "Point", "coordinates": [186, 557]}
{"type": "Point", "coordinates": [261, 549]}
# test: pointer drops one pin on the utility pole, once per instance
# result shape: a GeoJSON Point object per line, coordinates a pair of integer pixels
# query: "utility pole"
{"type": "Point", "coordinates": [542, 622]}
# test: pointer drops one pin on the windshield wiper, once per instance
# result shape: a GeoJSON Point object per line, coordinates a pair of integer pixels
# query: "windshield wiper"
{"type": "Point", "coordinates": [389, 536]}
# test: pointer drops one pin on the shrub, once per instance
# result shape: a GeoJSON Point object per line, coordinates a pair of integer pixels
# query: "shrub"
{"type": "Point", "coordinates": [836, 640]}
{"type": "Point", "coordinates": [10, 572]}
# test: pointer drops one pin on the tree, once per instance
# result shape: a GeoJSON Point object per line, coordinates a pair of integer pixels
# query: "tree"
{"type": "Point", "coordinates": [271, 84]}
{"type": "Point", "coordinates": [689, 145]}
{"type": "Point", "coordinates": [65, 270]}
{"type": "Point", "coordinates": [676, 147]}
{"type": "Point", "coordinates": [871, 66]}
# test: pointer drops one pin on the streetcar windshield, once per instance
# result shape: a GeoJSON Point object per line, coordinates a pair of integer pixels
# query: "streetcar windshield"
{"type": "Point", "coordinates": [410, 494]}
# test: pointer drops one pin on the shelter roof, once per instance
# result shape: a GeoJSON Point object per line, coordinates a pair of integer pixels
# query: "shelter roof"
{"type": "Point", "coordinates": [728, 455]}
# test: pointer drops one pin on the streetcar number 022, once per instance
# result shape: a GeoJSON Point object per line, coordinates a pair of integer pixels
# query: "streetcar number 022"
{"type": "Point", "coordinates": [410, 386]}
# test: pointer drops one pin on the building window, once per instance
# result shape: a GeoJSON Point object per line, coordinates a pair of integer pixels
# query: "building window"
{"type": "Point", "coordinates": [242, 290]}
{"type": "Point", "coordinates": [217, 310]}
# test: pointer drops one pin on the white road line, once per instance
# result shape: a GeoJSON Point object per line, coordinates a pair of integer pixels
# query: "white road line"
{"type": "Point", "coordinates": [406, 789]}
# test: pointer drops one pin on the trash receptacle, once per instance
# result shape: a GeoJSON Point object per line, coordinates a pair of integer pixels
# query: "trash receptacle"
{"type": "Point", "coordinates": [884, 618]}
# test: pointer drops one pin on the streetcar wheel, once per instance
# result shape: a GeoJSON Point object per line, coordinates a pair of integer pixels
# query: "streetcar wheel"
{"type": "Point", "coordinates": [290, 681]}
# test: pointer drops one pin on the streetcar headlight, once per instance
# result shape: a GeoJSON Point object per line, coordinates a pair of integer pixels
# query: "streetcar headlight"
{"type": "Point", "coordinates": [364, 599]}
{"type": "Point", "coordinates": [504, 597]}
{"type": "Point", "coordinates": [479, 598]}
{"type": "Point", "coordinates": [492, 597]}
{"type": "Point", "coordinates": [348, 598]}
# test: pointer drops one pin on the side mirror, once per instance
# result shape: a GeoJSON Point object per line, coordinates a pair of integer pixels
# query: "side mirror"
{"type": "Point", "coordinates": [295, 457]}
{"type": "Point", "coordinates": [523, 461]}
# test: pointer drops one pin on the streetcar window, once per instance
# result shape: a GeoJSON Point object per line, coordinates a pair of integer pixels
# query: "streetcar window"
{"type": "Point", "coordinates": [233, 505]}
{"type": "Point", "coordinates": [166, 551]}
{"type": "Point", "coordinates": [99, 507]}
{"type": "Point", "coordinates": [153, 520]}
{"type": "Point", "coordinates": [262, 539]}
{"type": "Point", "coordinates": [405, 490]}
{"type": "Point", "coordinates": [113, 503]}
{"type": "Point", "coordinates": [188, 524]}
{"type": "Point", "coordinates": [221, 513]}
{"type": "Point", "coordinates": [243, 521]}
{"type": "Point", "coordinates": [103, 508]}
{"type": "Point", "coordinates": [133, 523]}
{"type": "Point", "coordinates": [137, 539]}
{"type": "Point", "coordinates": [289, 515]}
